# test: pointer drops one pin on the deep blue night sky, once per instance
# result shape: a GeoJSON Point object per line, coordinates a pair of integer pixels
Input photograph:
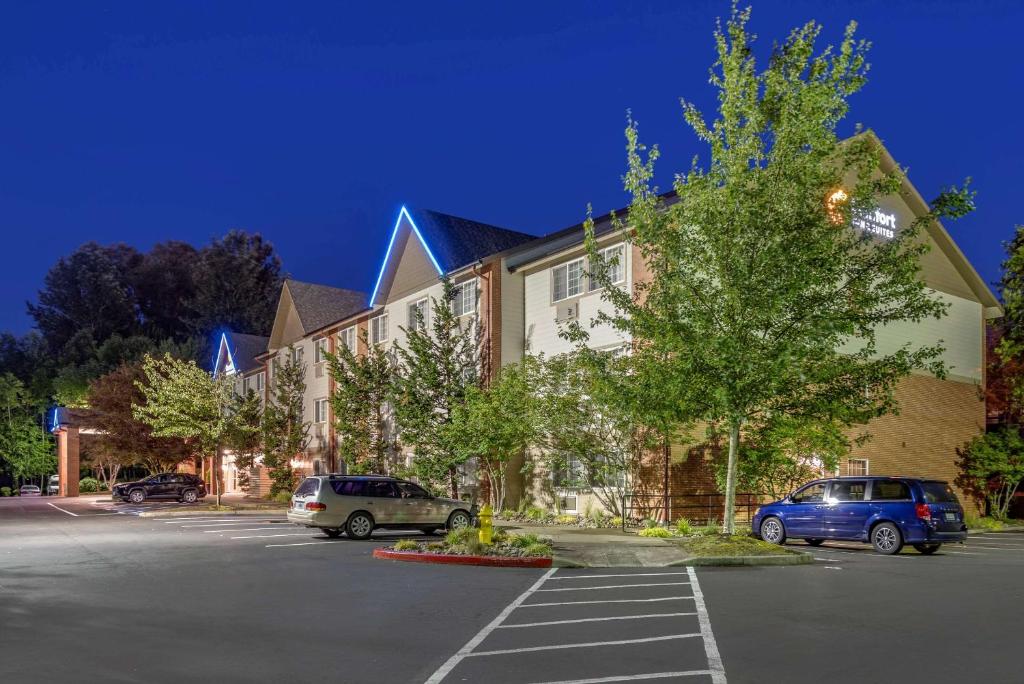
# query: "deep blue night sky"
{"type": "Point", "coordinates": [313, 122]}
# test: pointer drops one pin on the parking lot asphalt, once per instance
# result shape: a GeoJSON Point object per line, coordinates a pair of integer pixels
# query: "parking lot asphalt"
{"type": "Point", "coordinates": [90, 592]}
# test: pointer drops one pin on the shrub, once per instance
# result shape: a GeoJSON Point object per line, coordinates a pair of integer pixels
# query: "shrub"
{"type": "Point", "coordinates": [5, 491]}
{"type": "Point", "coordinates": [436, 547]}
{"type": "Point", "coordinates": [523, 540]}
{"type": "Point", "coordinates": [566, 519]}
{"type": "Point", "coordinates": [650, 523]}
{"type": "Point", "coordinates": [683, 527]}
{"type": "Point", "coordinates": [659, 532]}
{"type": "Point", "coordinates": [536, 514]}
{"type": "Point", "coordinates": [88, 485]}
{"type": "Point", "coordinates": [507, 514]}
{"type": "Point", "coordinates": [407, 545]}
{"type": "Point", "coordinates": [537, 550]}
{"type": "Point", "coordinates": [282, 497]}
{"type": "Point", "coordinates": [462, 537]}
{"type": "Point", "coordinates": [704, 530]}
{"type": "Point", "coordinates": [990, 524]}
{"type": "Point", "coordinates": [616, 521]}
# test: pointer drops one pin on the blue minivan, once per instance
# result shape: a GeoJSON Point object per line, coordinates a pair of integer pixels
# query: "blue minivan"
{"type": "Point", "coordinates": [886, 512]}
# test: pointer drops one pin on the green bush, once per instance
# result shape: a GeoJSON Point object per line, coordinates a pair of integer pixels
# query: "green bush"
{"type": "Point", "coordinates": [659, 532]}
{"type": "Point", "coordinates": [683, 527]}
{"type": "Point", "coordinates": [88, 485]}
{"type": "Point", "coordinates": [407, 545]}
{"type": "Point", "coordinates": [507, 514]}
{"type": "Point", "coordinates": [990, 524]}
{"type": "Point", "coordinates": [462, 537]}
{"type": "Point", "coordinates": [436, 547]}
{"type": "Point", "coordinates": [282, 497]}
{"type": "Point", "coordinates": [537, 550]}
{"type": "Point", "coordinates": [566, 519]}
{"type": "Point", "coordinates": [536, 514]}
{"type": "Point", "coordinates": [616, 521]}
{"type": "Point", "coordinates": [709, 529]}
{"type": "Point", "coordinates": [650, 523]}
{"type": "Point", "coordinates": [523, 540]}
{"type": "Point", "coordinates": [5, 491]}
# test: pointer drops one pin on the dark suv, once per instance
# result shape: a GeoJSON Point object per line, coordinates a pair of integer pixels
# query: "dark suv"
{"type": "Point", "coordinates": [885, 512]}
{"type": "Point", "coordinates": [180, 486]}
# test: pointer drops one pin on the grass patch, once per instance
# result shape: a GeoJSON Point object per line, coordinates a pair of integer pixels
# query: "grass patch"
{"type": "Point", "coordinates": [657, 532]}
{"type": "Point", "coordinates": [728, 545]}
{"type": "Point", "coordinates": [466, 542]}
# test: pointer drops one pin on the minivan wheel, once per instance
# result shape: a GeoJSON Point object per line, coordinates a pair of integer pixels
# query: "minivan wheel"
{"type": "Point", "coordinates": [815, 542]}
{"type": "Point", "coordinates": [359, 525]}
{"type": "Point", "coordinates": [886, 539]}
{"type": "Point", "coordinates": [458, 520]}
{"type": "Point", "coordinates": [189, 496]}
{"type": "Point", "coordinates": [927, 549]}
{"type": "Point", "coordinates": [137, 496]}
{"type": "Point", "coordinates": [772, 531]}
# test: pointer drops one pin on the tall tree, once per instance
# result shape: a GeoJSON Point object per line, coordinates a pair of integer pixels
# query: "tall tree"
{"type": "Point", "coordinates": [26, 448]}
{"type": "Point", "coordinates": [245, 433]}
{"type": "Point", "coordinates": [163, 284]}
{"type": "Point", "coordinates": [438, 364]}
{"type": "Point", "coordinates": [122, 439]}
{"type": "Point", "coordinates": [285, 429]}
{"type": "Point", "coordinates": [236, 283]}
{"type": "Point", "coordinates": [361, 403]}
{"type": "Point", "coordinates": [180, 399]}
{"type": "Point", "coordinates": [759, 282]}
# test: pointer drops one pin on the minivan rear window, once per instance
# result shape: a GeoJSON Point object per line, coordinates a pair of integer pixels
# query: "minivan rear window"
{"type": "Point", "coordinates": [938, 492]}
{"type": "Point", "coordinates": [889, 490]}
{"type": "Point", "coordinates": [309, 487]}
{"type": "Point", "coordinates": [349, 487]}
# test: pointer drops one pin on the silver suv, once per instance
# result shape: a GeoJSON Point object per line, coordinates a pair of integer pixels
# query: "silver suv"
{"type": "Point", "coordinates": [359, 504]}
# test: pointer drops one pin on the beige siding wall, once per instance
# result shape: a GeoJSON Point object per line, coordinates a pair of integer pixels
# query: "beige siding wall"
{"type": "Point", "coordinates": [512, 315]}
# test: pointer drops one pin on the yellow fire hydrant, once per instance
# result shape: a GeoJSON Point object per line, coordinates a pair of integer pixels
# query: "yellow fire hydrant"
{"type": "Point", "coordinates": [486, 517]}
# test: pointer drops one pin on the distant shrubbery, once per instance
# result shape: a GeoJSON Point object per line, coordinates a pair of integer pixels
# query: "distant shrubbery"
{"type": "Point", "coordinates": [5, 491]}
{"type": "Point", "coordinates": [88, 485]}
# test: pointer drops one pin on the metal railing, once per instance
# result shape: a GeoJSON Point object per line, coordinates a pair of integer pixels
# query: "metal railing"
{"type": "Point", "coordinates": [700, 509]}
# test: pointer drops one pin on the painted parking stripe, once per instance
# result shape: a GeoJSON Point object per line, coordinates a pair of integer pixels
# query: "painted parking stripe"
{"type": "Point", "coordinates": [244, 529]}
{"type": "Point", "coordinates": [586, 603]}
{"type": "Point", "coordinates": [599, 619]}
{"type": "Point", "coordinates": [272, 546]}
{"type": "Point", "coordinates": [617, 586]}
{"type": "Point", "coordinates": [710, 645]}
{"type": "Point", "coordinates": [218, 524]}
{"type": "Point", "coordinates": [589, 644]}
{"type": "Point", "coordinates": [634, 574]}
{"type": "Point", "coordinates": [267, 536]}
{"type": "Point", "coordinates": [995, 548]}
{"type": "Point", "coordinates": [463, 652]}
{"type": "Point", "coordinates": [633, 678]}
{"type": "Point", "coordinates": [61, 509]}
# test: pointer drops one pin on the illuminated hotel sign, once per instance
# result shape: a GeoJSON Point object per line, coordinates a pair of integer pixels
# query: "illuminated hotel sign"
{"type": "Point", "coordinates": [877, 222]}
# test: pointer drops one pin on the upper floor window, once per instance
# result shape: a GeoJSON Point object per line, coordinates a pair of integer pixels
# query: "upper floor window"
{"type": "Point", "coordinates": [465, 299]}
{"type": "Point", "coordinates": [567, 280]}
{"type": "Point", "coordinates": [348, 338]}
{"type": "Point", "coordinates": [379, 328]}
{"type": "Point", "coordinates": [857, 466]}
{"type": "Point", "coordinates": [319, 347]}
{"type": "Point", "coordinates": [245, 386]}
{"type": "Point", "coordinates": [320, 411]}
{"type": "Point", "coordinates": [260, 381]}
{"type": "Point", "coordinates": [613, 260]}
{"type": "Point", "coordinates": [418, 314]}
{"type": "Point", "coordinates": [297, 354]}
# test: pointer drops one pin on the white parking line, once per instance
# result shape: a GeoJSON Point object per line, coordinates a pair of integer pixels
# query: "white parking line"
{"type": "Point", "coordinates": [632, 678]}
{"type": "Point", "coordinates": [635, 574]}
{"type": "Point", "coordinates": [267, 536]}
{"type": "Point", "coordinates": [450, 664]}
{"type": "Point", "coordinates": [616, 586]}
{"type": "Point", "coordinates": [710, 646]}
{"type": "Point", "coordinates": [272, 546]}
{"type": "Point", "coordinates": [584, 603]}
{"type": "Point", "coordinates": [600, 619]}
{"type": "Point", "coordinates": [244, 529]}
{"type": "Point", "coordinates": [590, 644]}
{"type": "Point", "coordinates": [61, 509]}
{"type": "Point", "coordinates": [996, 548]}
{"type": "Point", "coordinates": [240, 522]}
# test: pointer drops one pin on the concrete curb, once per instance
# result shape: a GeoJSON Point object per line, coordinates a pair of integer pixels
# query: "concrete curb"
{"type": "Point", "coordinates": [1007, 528]}
{"type": "Point", "coordinates": [453, 559]}
{"type": "Point", "coordinates": [198, 511]}
{"type": "Point", "coordinates": [799, 558]}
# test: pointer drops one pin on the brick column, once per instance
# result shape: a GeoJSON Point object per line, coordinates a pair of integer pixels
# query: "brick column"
{"type": "Point", "coordinates": [67, 461]}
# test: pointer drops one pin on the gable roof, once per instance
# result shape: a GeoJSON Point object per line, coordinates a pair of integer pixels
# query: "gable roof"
{"type": "Point", "coordinates": [240, 350]}
{"type": "Point", "coordinates": [451, 242]}
{"type": "Point", "coordinates": [320, 305]}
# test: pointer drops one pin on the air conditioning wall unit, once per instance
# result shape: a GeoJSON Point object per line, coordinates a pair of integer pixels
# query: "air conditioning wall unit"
{"type": "Point", "coordinates": [567, 312]}
{"type": "Point", "coordinates": [318, 370]}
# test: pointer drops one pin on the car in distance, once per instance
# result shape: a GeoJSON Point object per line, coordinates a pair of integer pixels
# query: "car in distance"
{"type": "Point", "coordinates": [180, 486]}
{"type": "Point", "coordinates": [359, 504]}
{"type": "Point", "coordinates": [29, 490]}
{"type": "Point", "coordinates": [886, 512]}
{"type": "Point", "coordinates": [53, 485]}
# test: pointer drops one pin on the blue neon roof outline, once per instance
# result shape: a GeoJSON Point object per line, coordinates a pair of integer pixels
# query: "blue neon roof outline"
{"type": "Point", "coordinates": [225, 345]}
{"type": "Point", "coordinates": [391, 244]}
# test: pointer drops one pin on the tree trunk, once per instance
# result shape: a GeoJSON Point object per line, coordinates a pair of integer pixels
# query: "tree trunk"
{"type": "Point", "coordinates": [729, 521]}
{"type": "Point", "coordinates": [666, 515]}
{"type": "Point", "coordinates": [453, 481]}
{"type": "Point", "coordinates": [216, 475]}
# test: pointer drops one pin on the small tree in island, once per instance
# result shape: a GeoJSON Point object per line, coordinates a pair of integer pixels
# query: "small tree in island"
{"type": "Point", "coordinates": [765, 295]}
{"type": "Point", "coordinates": [361, 403]}
{"type": "Point", "coordinates": [180, 399]}
{"type": "Point", "coordinates": [285, 430]}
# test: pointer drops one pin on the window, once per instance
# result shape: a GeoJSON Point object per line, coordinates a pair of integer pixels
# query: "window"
{"type": "Point", "coordinates": [938, 492]}
{"type": "Point", "coordinates": [349, 487]}
{"type": "Point", "coordinates": [889, 490]}
{"type": "Point", "coordinates": [848, 490]}
{"type": "Point", "coordinates": [408, 490]}
{"type": "Point", "coordinates": [309, 487]}
{"type": "Point", "coordinates": [572, 474]}
{"type": "Point", "coordinates": [297, 353]}
{"type": "Point", "coordinates": [381, 488]}
{"type": "Point", "coordinates": [418, 315]}
{"type": "Point", "coordinates": [379, 329]}
{"type": "Point", "coordinates": [814, 493]}
{"type": "Point", "coordinates": [857, 467]}
{"type": "Point", "coordinates": [260, 380]}
{"type": "Point", "coordinates": [245, 386]}
{"type": "Point", "coordinates": [319, 347]}
{"type": "Point", "coordinates": [320, 411]}
{"type": "Point", "coordinates": [567, 280]}
{"type": "Point", "coordinates": [613, 259]}
{"type": "Point", "coordinates": [347, 337]}
{"type": "Point", "coordinates": [464, 301]}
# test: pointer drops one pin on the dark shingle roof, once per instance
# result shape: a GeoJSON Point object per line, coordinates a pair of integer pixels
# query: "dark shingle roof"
{"type": "Point", "coordinates": [457, 242]}
{"type": "Point", "coordinates": [245, 349]}
{"type": "Point", "coordinates": [321, 305]}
